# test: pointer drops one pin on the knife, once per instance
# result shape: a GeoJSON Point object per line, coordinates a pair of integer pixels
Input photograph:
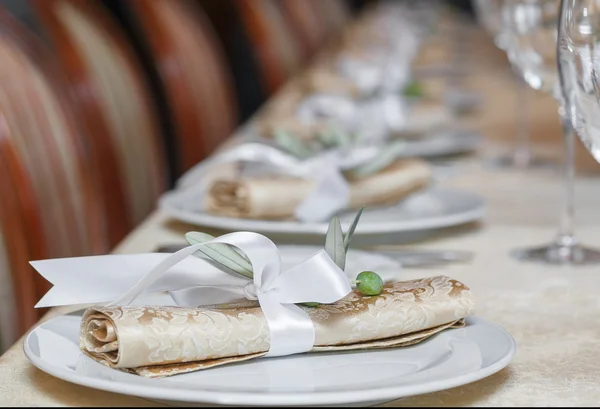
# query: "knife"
{"type": "Point", "coordinates": [408, 258]}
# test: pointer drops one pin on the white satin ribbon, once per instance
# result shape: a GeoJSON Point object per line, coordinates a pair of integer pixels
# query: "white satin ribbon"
{"type": "Point", "coordinates": [84, 280]}
{"type": "Point", "coordinates": [372, 118]}
{"type": "Point", "coordinates": [381, 71]}
{"type": "Point", "coordinates": [331, 193]}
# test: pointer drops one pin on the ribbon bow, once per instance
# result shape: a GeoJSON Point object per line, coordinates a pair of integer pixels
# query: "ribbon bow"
{"type": "Point", "coordinates": [330, 195]}
{"type": "Point", "coordinates": [374, 118]}
{"type": "Point", "coordinates": [193, 282]}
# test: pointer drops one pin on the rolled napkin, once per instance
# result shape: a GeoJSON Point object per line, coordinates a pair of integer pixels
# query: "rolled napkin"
{"type": "Point", "coordinates": [373, 119]}
{"type": "Point", "coordinates": [291, 124]}
{"type": "Point", "coordinates": [284, 117]}
{"type": "Point", "coordinates": [156, 342]}
{"type": "Point", "coordinates": [436, 51]}
{"type": "Point", "coordinates": [325, 81]}
{"type": "Point", "coordinates": [277, 197]}
{"type": "Point", "coordinates": [424, 117]}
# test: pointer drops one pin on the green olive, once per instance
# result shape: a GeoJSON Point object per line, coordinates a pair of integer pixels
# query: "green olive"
{"type": "Point", "coordinates": [414, 90]}
{"type": "Point", "coordinates": [311, 304]}
{"type": "Point", "coordinates": [369, 283]}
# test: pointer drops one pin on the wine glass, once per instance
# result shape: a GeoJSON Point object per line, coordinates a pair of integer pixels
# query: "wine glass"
{"type": "Point", "coordinates": [579, 64]}
{"type": "Point", "coordinates": [532, 48]}
{"type": "Point", "coordinates": [489, 16]}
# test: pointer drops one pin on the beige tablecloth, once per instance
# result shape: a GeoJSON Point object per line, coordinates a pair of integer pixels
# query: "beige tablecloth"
{"type": "Point", "coordinates": [552, 312]}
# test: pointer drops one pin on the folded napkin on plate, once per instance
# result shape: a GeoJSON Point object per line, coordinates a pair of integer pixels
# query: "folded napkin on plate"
{"type": "Point", "coordinates": [277, 197]}
{"type": "Point", "coordinates": [282, 116]}
{"type": "Point", "coordinates": [425, 117]}
{"type": "Point", "coordinates": [161, 341]}
{"type": "Point", "coordinates": [435, 51]}
{"type": "Point", "coordinates": [292, 125]}
{"type": "Point", "coordinates": [326, 81]}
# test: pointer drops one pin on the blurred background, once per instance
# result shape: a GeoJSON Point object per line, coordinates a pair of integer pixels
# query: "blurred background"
{"type": "Point", "coordinates": [105, 103]}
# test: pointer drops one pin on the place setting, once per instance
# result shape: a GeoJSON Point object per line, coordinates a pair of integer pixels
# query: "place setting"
{"type": "Point", "coordinates": [348, 156]}
{"type": "Point", "coordinates": [178, 327]}
{"type": "Point", "coordinates": [401, 193]}
{"type": "Point", "coordinates": [346, 205]}
{"type": "Point", "coordinates": [358, 130]}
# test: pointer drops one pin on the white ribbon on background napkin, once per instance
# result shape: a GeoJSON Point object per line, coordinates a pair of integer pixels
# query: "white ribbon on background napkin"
{"type": "Point", "coordinates": [373, 118]}
{"type": "Point", "coordinates": [193, 282]}
{"type": "Point", "coordinates": [379, 71]}
{"type": "Point", "coordinates": [331, 193]}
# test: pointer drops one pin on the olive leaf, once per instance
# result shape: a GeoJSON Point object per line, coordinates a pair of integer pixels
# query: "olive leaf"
{"type": "Point", "coordinates": [326, 138]}
{"type": "Point", "coordinates": [351, 229]}
{"type": "Point", "coordinates": [221, 253]}
{"type": "Point", "coordinates": [334, 243]}
{"type": "Point", "coordinates": [387, 156]}
{"type": "Point", "coordinates": [355, 137]}
{"type": "Point", "coordinates": [334, 136]}
{"type": "Point", "coordinates": [342, 137]}
{"type": "Point", "coordinates": [292, 144]}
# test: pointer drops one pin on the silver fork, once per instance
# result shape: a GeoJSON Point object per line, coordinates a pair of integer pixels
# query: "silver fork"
{"type": "Point", "coordinates": [427, 258]}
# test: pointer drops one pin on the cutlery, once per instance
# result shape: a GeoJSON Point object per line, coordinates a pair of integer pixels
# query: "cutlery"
{"type": "Point", "coordinates": [427, 258]}
{"type": "Point", "coordinates": [448, 255]}
{"type": "Point", "coordinates": [408, 258]}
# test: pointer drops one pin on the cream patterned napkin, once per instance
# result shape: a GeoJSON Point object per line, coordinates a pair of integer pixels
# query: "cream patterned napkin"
{"type": "Point", "coordinates": [156, 342]}
{"type": "Point", "coordinates": [277, 197]}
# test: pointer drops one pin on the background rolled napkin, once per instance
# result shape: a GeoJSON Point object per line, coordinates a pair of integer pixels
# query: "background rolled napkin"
{"type": "Point", "coordinates": [325, 81]}
{"type": "Point", "coordinates": [435, 51]}
{"type": "Point", "coordinates": [162, 341]}
{"type": "Point", "coordinates": [277, 197]}
{"type": "Point", "coordinates": [284, 117]}
{"type": "Point", "coordinates": [281, 107]}
{"type": "Point", "coordinates": [424, 117]}
{"type": "Point", "coordinates": [292, 125]}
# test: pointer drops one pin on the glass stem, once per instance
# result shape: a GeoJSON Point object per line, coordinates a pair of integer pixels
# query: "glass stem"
{"type": "Point", "coordinates": [568, 213]}
{"type": "Point", "coordinates": [522, 154]}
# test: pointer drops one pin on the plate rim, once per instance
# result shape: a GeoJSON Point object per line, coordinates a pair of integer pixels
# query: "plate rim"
{"type": "Point", "coordinates": [288, 227]}
{"type": "Point", "coordinates": [467, 140]}
{"type": "Point", "coordinates": [278, 398]}
{"type": "Point", "coordinates": [471, 141]}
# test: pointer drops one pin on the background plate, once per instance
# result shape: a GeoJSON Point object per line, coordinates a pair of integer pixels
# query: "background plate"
{"type": "Point", "coordinates": [433, 208]}
{"type": "Point", "coordinates": [451, 142]}
{"type": "Point", "coordinates": [449, 359]}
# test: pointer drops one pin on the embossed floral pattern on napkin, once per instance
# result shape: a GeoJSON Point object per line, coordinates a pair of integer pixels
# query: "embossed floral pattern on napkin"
{"type": "Point", "coordinates": [277, 197]}
{"type": "Point", "coordinates": [162, 341]}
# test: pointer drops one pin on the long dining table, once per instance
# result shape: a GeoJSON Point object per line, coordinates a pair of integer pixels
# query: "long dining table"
{"type": "Point", "coordinates": [551, 311]}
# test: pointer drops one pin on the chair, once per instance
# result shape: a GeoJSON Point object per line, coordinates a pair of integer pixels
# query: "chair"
{"type": "Point", "coordinates": [191, 66]}
{"type": "Point", "coordinates": [239, 51]}
{"type": "Point", "coordinates": [48, 204]}
{"type": "Point", "coordinates": [17, 280]}
{"type": "Point", "coordinates": [334, 13]}
{"type": "Point", "coordinates": [278, 52]}
{"type": "Point", "coordinates": [111, 97]}
{"type": "Point", "coordinates": [308, 26]}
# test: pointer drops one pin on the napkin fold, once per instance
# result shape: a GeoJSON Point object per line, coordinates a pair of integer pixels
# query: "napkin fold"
{"type": "Point", "coordinates": [293, 125]}
{"type": "Point", "coordinates": [425, 117]}
{"type": "Point", "coordinates": [435, 51]}
{"type": "Point", "coordinates": [161, 341]}
{"type": "Point", "coordinates": [326, 81]}
{"type": "Point", "coordinates": [278, 197]}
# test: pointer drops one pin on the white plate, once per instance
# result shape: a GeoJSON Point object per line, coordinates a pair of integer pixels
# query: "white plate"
{"type": "Point", "coordinates": [449, 359]}
{"type": "Point", "coordinates": [450, 142]}
{"type": "Point", "coordinates": [430, 209]}
{"type": "Point", "coordinates": [436, 143]}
